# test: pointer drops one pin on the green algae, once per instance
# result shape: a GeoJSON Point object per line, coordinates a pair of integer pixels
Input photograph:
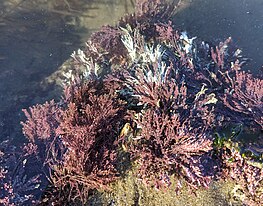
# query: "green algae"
{"type": "Point", "coordinates": [130, 191]}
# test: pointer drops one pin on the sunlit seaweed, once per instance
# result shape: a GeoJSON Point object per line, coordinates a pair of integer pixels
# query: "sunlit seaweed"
{"type": "Point", "coordinates": [143, 89]}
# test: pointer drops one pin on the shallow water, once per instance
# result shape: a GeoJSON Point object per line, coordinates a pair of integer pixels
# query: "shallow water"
{"type": "Point", "coordinates": [213, 20]}
{"type": "Point", "coordinates": [37, 36]}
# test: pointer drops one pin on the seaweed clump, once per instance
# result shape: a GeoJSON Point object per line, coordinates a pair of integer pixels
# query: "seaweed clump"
{"type": "Point", "coordinates": [77, 137]}
{"type": "Point", "coordinates": [150, 93]}
{"type": "Point", "coordinates": [16, 186]}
